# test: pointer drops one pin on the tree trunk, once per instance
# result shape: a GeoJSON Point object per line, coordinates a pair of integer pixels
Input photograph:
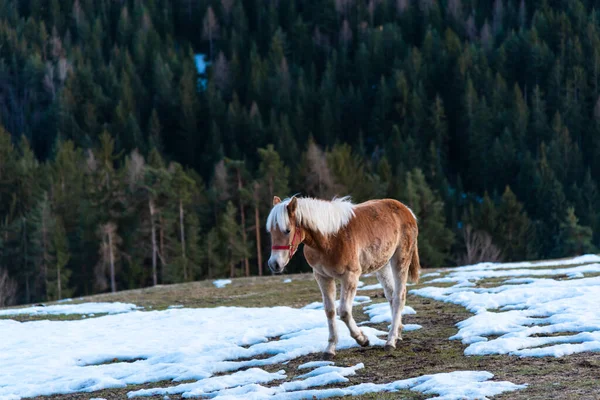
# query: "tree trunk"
{"type": "Point", "coordinates": [161, 252]}
{"type": "Point", "coordinates": [113, 283]}
{"type": "Point", "coordinates": [44, 254]}
{"type": "Point", "coordinates": [154, 249]}
{"type": "Point", "coordinates": [258, 245]}
{"type": "Point", "coordinates": [243, 221]}
{"type": "Point", "coordinates": [58, 282]}
{"type": "Point", "coordinates": [208, 260]}
{"type": "Point", "coordinates": [182, 233]}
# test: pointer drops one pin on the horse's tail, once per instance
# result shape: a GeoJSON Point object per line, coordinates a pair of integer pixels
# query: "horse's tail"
{"type": "Point", "coordinates": [415, 265]}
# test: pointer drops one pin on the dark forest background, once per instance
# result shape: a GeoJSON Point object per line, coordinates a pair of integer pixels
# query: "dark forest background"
{"type": "Point", "coordinates": [122, 166]}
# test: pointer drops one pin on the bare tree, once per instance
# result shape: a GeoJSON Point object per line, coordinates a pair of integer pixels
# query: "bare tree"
{"type": "Point", "coordinates": [221, 72]}
{"type": "Point", "coordinates": [284, 76]}
{"type": "Point", "coordinates": [227, 6]}
{"type": "Point", "coordinates": [319, 178]}
{"type": "Point", "coordinates": [320, 39]}
{"type": "Point", "coordinates": [371, 9]}
{"type": "Point", "coordinates": [77, 13]}
{"type": "Point", "coordinates": [471, 28]}
{"type": "Point", "coordinates": [210, 28]}
{"type": "Point", "coordinates": [109, 255]}
{"type": "Point", "coordinates": [221, 181]}
{"type": "Point", "coordinates": [522, 14]}
{"type": "Point", "coordinates": [498, 16]}
{"type": "Point", "coordinates": [426, 5]}
{"type": "Point", "coordinates": [8, 289]}
{"type": "Point", "coordinates": [257, 230]}
{"type": "Point", "coordinates": [479, 247]}
{"type": "Point", "coordinates": [401, 6]}
{"type": "Point", "coordinates": [486, 36]}
{"type": "Point", "coordinates": [343, 6]}
{"type": "Point", "coordinates": [346, 34]}
{"type": "Point", "coordinates": [454, 8]}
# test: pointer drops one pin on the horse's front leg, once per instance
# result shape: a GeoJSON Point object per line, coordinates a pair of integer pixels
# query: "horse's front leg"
{"type": "Point", "coordinates": [348, 291]}
{"type": "Point", "coordinates": [327, 286]}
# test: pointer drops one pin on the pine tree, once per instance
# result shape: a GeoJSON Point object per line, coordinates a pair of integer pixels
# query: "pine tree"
{"type": "Point", "coordinates": [183, 188]}
{"type": "Point", "coordinates": [435, 239]}
{"type": "Point", "coordinates": [574, 239]}
{"type": "Point", "coordinates": [514, 228]}
{"type": "Point", "coordinates": [233, 249]}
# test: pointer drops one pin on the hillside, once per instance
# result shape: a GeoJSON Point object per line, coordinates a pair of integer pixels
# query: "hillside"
{"type": "Point", "coordinates": [532, 324]}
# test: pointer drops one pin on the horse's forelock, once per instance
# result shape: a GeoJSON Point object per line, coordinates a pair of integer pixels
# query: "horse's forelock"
{"type": "Point", "coordinates": [279, 216]}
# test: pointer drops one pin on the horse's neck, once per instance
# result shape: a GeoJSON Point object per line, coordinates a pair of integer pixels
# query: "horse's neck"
{"type": "Point", "coordinates": [315, 239]}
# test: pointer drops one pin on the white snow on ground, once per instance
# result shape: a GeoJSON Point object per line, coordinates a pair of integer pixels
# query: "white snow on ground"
{"type": "Point", "coordinates": [84, 308]}
{"type": "Point", "coordinates": [287, 280]}
{"type": "Point", "coordinates": [585, 259]}
{"type": "Point", "coordinates": [374, 286]}
{"type": "Point", "coordinates": [317, 305]}
{"type": "Point", "coordinates": [221, 283]}
{"type": "Point", "coordinates": [381, 312]}
{"type": "Point", "coordinates": [524, 311]}
{"type": "Point", "coordinates": [178, 344]}
{"type": "Point", "coordinates": [315, 364]}
{"type": "Point", "coordinates": [466, 275]}
{"type": "Point", "coordinates": [448, 386]}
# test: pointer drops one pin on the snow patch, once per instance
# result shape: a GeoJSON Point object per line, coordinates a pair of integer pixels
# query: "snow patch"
{"type": "Point", "coordinates": [221, 283]}
{"type": "Point", "coordinates": [66, 309]}
{"type": "Point", "coordinates": [317, 305]}
{"type": "Point", "coordinates": [381, 312]}
{"type": "Point", "coordinates": [314, 364]}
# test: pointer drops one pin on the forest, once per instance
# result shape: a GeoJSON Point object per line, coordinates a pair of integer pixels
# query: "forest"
{"type": "Point", "coordinates": [123, 165]}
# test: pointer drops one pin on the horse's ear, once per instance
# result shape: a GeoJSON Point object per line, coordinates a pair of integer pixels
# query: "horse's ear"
{"type": "Point", "coordinates": [276, 200]}
{"type": "Point", "coordinates": [292, 205]}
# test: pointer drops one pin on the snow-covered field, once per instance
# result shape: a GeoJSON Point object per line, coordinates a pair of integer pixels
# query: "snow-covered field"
{"type": "Point", "coordinates": [243, 353]}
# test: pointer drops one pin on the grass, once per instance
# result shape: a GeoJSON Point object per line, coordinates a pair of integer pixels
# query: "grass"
{"type": "Point", "coordinates": [425, 351]}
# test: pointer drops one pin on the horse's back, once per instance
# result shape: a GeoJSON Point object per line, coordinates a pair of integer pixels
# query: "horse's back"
{"type": "Point", "coordinates": [387, 210]}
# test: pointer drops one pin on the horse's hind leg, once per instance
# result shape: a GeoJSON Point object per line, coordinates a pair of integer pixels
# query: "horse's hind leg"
{"type": "Point", "coordinates": [347, 293]}
{"type": "Point", "coordinates": [400, 264]}
{"type": "Point", "coordinates": [386, 278]}
{"type": "Point", "coordinates": [327, 286]}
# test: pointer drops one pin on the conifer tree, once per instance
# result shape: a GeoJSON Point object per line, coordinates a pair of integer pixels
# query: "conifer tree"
{"type": "Point", "coordinates": [514, 228]}
{"type": "Point", "coordinates": [435, 238]}
{"type": "Point", "coordinates": [574, 239]}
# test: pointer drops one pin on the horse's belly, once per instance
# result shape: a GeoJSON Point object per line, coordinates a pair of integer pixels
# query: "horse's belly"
{"type": "Point", "coordinates": [376, 255]}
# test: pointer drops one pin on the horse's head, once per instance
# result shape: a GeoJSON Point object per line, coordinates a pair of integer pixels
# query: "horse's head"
{"type": "Point", "coordinates": [286, 235]}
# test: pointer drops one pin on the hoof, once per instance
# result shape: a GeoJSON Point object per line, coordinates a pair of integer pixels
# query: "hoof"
{"type": "Point", "coordinates": [389, 348]}
{"type": "Point", "coordinates": [364, 342]}
{"type": "Point", "coordinates": [328, 356]}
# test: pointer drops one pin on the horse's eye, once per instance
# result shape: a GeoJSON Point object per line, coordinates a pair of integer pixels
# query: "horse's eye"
{"type": "Point", "coordinates": [287, 231]}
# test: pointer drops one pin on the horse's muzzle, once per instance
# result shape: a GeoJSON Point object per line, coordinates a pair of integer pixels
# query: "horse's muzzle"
{"type": "Point", "coordinates": [275, 267]}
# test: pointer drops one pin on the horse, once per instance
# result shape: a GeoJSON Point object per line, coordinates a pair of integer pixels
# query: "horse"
{"type": "Point", "coordinates": [342, 241]}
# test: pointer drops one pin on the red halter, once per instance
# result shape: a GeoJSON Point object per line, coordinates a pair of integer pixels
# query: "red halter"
{"type": "Point", "coordinates": [291, 247]}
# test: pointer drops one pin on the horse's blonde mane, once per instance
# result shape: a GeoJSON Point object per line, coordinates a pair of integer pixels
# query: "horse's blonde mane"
{"type": "Point", "coordinates": [323, 216]}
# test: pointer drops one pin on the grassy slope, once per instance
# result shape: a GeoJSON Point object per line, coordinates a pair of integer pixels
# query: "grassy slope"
{"type": "Point", "coordinates": [424, 351]}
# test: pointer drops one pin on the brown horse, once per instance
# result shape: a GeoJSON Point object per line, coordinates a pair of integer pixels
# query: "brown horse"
{"type": "Point", "coordinates": [343, 241]}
